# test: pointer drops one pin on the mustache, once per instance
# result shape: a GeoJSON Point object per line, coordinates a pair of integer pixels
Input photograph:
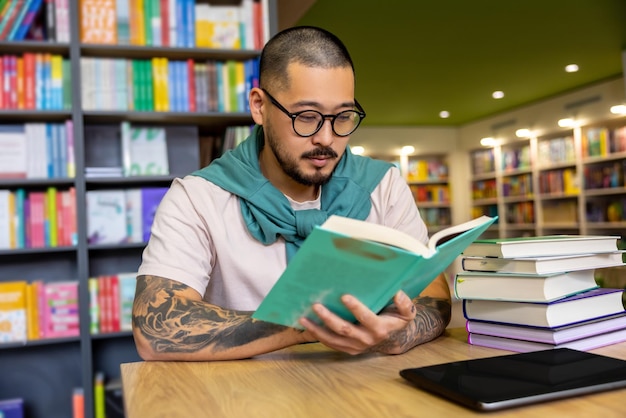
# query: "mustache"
{"type": "Point", "coordinates": [321, 152]}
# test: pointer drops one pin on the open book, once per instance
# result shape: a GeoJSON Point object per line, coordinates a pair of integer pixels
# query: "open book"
{"type": "Point", "coordinates": [369, 261]}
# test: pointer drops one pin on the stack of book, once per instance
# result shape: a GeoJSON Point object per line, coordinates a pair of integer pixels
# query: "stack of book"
{"type": "Point", "coordinates": [527, 294]}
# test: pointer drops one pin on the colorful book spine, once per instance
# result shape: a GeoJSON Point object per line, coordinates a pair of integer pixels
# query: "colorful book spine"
{"type": "Point", "coordinates": [28, 20]}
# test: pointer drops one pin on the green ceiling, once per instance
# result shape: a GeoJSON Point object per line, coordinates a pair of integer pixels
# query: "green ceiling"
{"type": "Point", "coordinates": [416, 58]}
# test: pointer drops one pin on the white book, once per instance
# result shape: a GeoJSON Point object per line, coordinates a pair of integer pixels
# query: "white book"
{"type": "Point", "coordinates": [5, 219]}
{"type": "Point", "coordinates": [247, 19]}
{"type": "Point", "coordinates": [106, 217]}
{"type": "Point", "coordinates": [224, 27]}
{"type": "Point", "coordinates": [13, 151]}
{"type": "Point", "coordinates": [145, 152]}
{"type": "Point", "coordinates": [543, 265]}
{"type": "Point", "coordinates": [134, 218]}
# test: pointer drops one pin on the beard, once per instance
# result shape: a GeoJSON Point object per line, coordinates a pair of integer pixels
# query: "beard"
{"type": "Point", "coordinates": [290, 166]}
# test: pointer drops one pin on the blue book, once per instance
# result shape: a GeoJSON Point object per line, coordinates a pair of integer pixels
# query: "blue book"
{"type": "Point", "coordinates": [33, 8]}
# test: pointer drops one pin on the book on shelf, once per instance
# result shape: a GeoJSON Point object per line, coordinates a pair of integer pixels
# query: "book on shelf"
{"type": "Point", "coordinates": [6, 218]}
{"type": "Point", "coordinates": [553, 336]}
{"type": "Point", "coordinates": [106, 217]}
{"type": "Point", "coordinates": [544, 265]}
{"type": "Point", "coordinates": [594, 303]}
{"type": "Point", "coordinates": [522, 287]}
{"type": "Point", "coordinates": [547, 245]}
{"type": "Point", "coordinates": [144, 150]}
{"type": "Point", "coordinates": [150, 199]}
{"type": "Point", "coordinates": [348, 256]}
{"type": "Point", "coordinates": [12, 408]}
{"type": "Point", "coordinates": [61, 309]}
{"type": "Point", "coordinates": [13, 151]}
{"type": "Point", "coordinates": [582, 344]}
{"type": "Point", "coordinates": [98, 23]}
{"type": "Point", "coordinates": [13, 321]}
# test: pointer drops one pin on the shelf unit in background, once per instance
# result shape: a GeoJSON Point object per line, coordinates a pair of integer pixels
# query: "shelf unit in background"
{"type": "Point", "coordinates": [427, 176]}
{"type": "Point", "coordinates": [44, 372]}
{"type": "Point", "coordinates": [569, 182]}
{"type": "Point", "coordinates": [428, 179]}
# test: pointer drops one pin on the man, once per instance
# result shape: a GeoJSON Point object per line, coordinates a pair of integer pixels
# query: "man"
{"type": "Point", "coordinates": [222, 236]}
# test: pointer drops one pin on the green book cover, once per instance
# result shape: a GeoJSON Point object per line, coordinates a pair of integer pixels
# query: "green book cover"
{"type": "Point", "coordinates": [137, 89]}
{"type": "Point", "coordinates": [149, 84]}
{"type": "Point", "coordinates": [330, 264]}
{"type": "Point", "coordinates": [67, 84]}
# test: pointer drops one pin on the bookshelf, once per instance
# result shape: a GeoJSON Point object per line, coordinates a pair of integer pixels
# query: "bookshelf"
{"type": "Point", "coordinates": [45, 371]}
{"type": "Point", "coordinates": [428, 179]}
{"type": "Point", "coordinates": [568, 182]}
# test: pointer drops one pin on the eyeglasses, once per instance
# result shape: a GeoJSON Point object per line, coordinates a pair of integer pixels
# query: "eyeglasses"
{"type": "Point", "coordinates": [308, 122]}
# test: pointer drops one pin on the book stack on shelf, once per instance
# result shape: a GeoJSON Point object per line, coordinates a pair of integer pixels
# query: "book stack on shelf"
{"type": "Point", "coordinates": [527, 294]}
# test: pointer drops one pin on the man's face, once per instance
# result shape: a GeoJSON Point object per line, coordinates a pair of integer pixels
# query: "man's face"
{"type": "Point", "coordinates": [310, 161]}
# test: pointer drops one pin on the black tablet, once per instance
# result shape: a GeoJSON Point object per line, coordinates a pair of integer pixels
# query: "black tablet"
{"type": "Point", "coordinates": [520, 379]}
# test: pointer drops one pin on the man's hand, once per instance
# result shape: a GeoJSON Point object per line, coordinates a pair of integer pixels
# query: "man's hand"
{"type": "Point", "coordinates": [390, 332]}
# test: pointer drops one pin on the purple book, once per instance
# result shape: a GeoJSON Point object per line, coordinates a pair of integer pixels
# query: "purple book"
{"type": "Point", "coordinates": [150, 199]}
{"type": "Point", "coordinates": [574, 309]}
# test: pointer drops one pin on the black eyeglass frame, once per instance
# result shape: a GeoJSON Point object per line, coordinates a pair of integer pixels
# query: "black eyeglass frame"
{"type": "Point", "coordinates": [293, 116]}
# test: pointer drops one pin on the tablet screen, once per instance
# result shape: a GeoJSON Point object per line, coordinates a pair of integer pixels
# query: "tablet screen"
{"type": "Point", "coordinates": [520, 379]}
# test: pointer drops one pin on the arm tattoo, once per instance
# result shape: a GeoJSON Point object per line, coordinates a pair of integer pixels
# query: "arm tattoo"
{"type": "Point", "coordinates": [176, 324]}
{"type": "Point", "coordinates": [433, 316]}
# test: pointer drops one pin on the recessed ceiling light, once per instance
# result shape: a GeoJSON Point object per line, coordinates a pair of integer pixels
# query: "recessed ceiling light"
{"type": "Point", "coordinates": [357, 150]}
{"type": "Point", "coordinates": [497, 94]}
{"type": "Point", "coordinates": [444, 114]}
{"type": "Point", "coordinates": [571, 68]}
{"type": "Point", "coordinates": [522, 133]}
{"type": "Point", "coordinates": [618, 109]}
{"type": "Point", "coordinates": [566, 123]}
{"type": "Point", "coordinates": [407, 150]}
{"type": "Point", "coordinates": [488, 142]}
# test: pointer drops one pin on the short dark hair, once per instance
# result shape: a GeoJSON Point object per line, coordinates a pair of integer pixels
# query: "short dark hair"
{"type": "Point", "coordinates": [307, 45]}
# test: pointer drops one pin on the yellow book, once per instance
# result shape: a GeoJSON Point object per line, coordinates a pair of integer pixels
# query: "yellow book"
{"type": "Point", "coordinates": [51, 216]}
{"type": "Point", "coordinates": [202, 25]}
{"type": "Point", "coordinates": [13, 322]}
{"type": "Point", "coordinates": [604, 142]}
{"type": "Point", "coordinates": [156, 83]}
{"type": "Point", "coordinates": [32, 310]}
{"type": "Point", "coordinates": [98, 396]}
{"type": "Point", "coordinates": [165, 97]}
{"type": "Point", "coordinates": [240, 86]}
{"type": "Point", "coordinates": [20, 83]}
{"type": "Point", "coordinates": [570, 185]}
{"type": "Point", "coordinates": [140, 22]}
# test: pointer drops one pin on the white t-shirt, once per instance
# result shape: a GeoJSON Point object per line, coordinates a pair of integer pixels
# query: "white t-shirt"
{"type": "Point", "coordinates": [199, 239]}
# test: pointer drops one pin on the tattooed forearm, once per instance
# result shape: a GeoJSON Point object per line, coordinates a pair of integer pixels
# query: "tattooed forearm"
{"type": "Point", "coordinates": [433, 316]}
{"type": "Point", "coordinates": [171, 323]}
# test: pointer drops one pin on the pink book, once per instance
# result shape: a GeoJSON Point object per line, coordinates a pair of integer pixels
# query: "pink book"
{"type": "Point", "coordinates": [62, 309]}
{"type": "Point", "coordinates": [114, 297]}
{"type": "Point", "coordinates": [36, 219]}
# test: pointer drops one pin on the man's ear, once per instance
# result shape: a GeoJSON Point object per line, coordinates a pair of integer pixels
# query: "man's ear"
{"type": "Point", "coordinates": [256, 105]}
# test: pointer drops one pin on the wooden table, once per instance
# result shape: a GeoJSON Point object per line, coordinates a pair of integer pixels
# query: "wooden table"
{"type": "Point", "coordinates": [312, 381]}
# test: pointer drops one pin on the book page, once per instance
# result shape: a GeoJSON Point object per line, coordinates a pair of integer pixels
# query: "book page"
{"type": "Point", "coordinates": [446, 234]}
{"type": "Point", "coordinates": [375, 232]}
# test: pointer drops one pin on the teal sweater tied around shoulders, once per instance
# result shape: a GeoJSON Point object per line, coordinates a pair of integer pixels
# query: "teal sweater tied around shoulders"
{"type": "Point", "coordinates": [265, 209]}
